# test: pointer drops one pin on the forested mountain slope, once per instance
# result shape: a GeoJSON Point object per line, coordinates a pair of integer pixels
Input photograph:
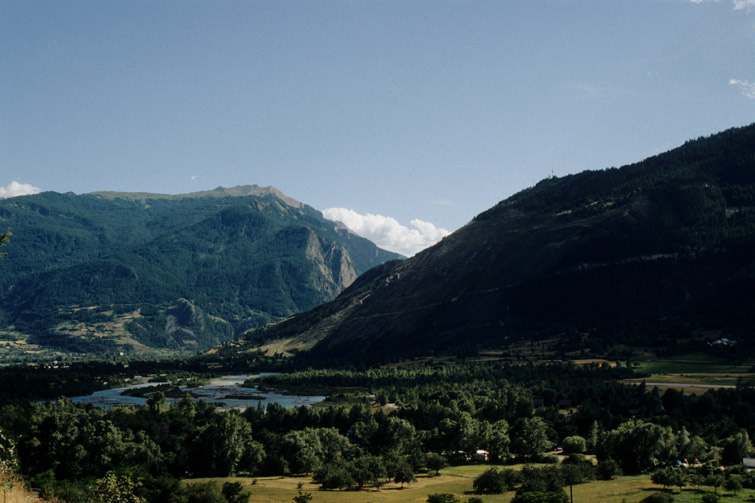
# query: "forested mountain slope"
{"type": "Point", "coordinates": [658, 253]}
{"type": "Point", "coordinates": [131, 272]}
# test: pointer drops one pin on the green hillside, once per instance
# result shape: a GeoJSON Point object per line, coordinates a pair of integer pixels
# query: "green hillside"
{"type": "Point", "coordinates": [110, 272]}
{"type": "Point", "coordinates": [660, 253]}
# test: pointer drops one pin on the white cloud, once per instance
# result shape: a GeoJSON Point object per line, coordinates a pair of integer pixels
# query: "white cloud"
{"type": "Point", "coordinates": [193, 177]}
{"type": "Point", "coordinates": [738, 4]}
{"type": "Point", "coordinates": [386, 232]}
{"type": "Point", "coordinates": [14, 189]}
{"type": "Point", "coordinates": [746, 88]}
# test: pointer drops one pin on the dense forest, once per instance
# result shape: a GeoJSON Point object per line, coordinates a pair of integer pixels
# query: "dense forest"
{"type": "Point", "coordinates": [148, 274]}
{"type": "Point", "coordinates": [390, 424]}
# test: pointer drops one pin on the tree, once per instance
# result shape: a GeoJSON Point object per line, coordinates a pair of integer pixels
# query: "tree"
{"type": "Point", "coordinates": [367, 470]}
{"type": "Point", "coordinates": [531, 437]}
{"type": "Point", "coordinates": [697, 479]}
{"type": "Point", "coordinates": [668, 477]}
{"type": "Point", "coordinates": [436, 462]}
{"type": "Point", "coordinates": [402, 473]}
{"type": "Point", "coordinates": [608, 469]}
{"type": "Point", "coordinates": [574, 444]}
{"type": "Point", "coordinates": [734, 483]}
{"type": "Point", "coordinates": [592, 436]}
{"type": "Point", "coordinates": [696, 449]}
{"type": "Point", "coordinates": [301, 449]}
{"type": "Point", "coordinates": [495, 481]}
{"type": "Point", "coordinates": [736, 447]}
{"type": "Point", "coordinates": [4, 239]}
{"type": "Point", "coordinates": [715, 480]}
{"type": "Point", "coordinates": [395, 435]}
{"type": "Point", "coordinates": [156, 403]}
{"type": "Point", "coordinates": [541, 479]}
{"type": "Point", "coordinates": [335, 475]}
{"type": "Point", "coordinates": [226, 447]}
{"type": "Point", "coordinates": [8, 463]}
{"type": "Point", "coordinates": [115, 488]}
{"type": "Point", "coordinates": [499, 440]}
{"type": "Point", "coordinates": [638, 445]}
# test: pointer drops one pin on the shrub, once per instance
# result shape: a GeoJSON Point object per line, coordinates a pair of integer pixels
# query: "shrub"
{"type": "Point", "coordinates": [541, 479]}
{"type": "Point", "coordinates": [334, 476]}
{"type": "Point", "coordinates": [494, 481]}
{"type": "Point", "coordinates": [658, 498]}
{"type": "Point", "coordinates": [608, 469]}
{"type": "Point", "coordinates": [442, 498]}
{"type": "Point", "coordinates": [303, 497]}
{"type": "Point", "coordinates": [541, 497]}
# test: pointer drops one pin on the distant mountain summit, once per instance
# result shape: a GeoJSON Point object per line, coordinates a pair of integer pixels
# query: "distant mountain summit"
{"type": "Point", "coordinates": [139, 272]}
{"type": "Point", "coordinates": [237, 191]}
{"type": "Point", "coordinates": [660, 253]}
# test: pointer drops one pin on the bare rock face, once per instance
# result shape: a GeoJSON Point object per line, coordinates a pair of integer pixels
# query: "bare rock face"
{"type": "Point", "coordinates": [198, 269]}
{"type": "Point", "coordinates": [182, 314]}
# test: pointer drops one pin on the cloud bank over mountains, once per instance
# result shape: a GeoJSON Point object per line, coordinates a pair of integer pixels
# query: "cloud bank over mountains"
{"type": "Point", "coordinates": [15, 188]}
{"type": "Point", "coordinates": [387, 232]}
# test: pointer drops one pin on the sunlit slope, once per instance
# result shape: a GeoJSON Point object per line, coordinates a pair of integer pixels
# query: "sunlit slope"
{"type": "Point", "coordinates": [134, 272]}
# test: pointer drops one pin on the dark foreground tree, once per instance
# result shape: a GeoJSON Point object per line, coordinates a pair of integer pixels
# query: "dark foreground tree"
{"type": "Point", "coordinates": [541, 497]}
{"type": "Point", "coordinates": [436, 462]}
{"type": "Point", "coordinates": [442, 498]}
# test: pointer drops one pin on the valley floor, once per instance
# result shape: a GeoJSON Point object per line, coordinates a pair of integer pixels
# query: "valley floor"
{"type": "Point", "coordinates": [458, 481]}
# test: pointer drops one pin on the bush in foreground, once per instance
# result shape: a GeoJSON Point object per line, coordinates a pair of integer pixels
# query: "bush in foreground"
{"type": "Point", "coordinates": [442, 498]}
{"type": "Point", "coordinates": [658, 498]}
{"type": "Point", "coordinates": [541, 497]}
{"type": "Point", "coordinates": [495, 481]}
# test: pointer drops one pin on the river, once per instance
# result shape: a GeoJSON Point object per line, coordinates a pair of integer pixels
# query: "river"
{"type": "Point", "coordinates": [217, 392]}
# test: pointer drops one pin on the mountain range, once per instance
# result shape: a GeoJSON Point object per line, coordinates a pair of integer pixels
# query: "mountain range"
{"type": "Point", "coordinates": [660, 253]}
{"type": "Point", "coordinates": [139, 273]}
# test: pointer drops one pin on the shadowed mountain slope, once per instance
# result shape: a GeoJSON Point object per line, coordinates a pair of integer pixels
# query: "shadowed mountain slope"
{"type": "Point", "coordinates": [660, 253]}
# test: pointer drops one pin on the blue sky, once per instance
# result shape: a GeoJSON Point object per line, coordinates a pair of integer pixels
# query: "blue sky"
{"type": "Point", "coordinates": [408, 111]}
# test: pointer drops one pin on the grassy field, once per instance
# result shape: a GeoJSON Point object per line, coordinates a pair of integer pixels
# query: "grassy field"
{"type": "Point", "coordinates": [688, 367]}
{"type": "Point", "coordinates": [712, 379]}
{"type": "Point", "coordinates": [458, 481]}
{"type": "Point", "coordinates": [693, 373]}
